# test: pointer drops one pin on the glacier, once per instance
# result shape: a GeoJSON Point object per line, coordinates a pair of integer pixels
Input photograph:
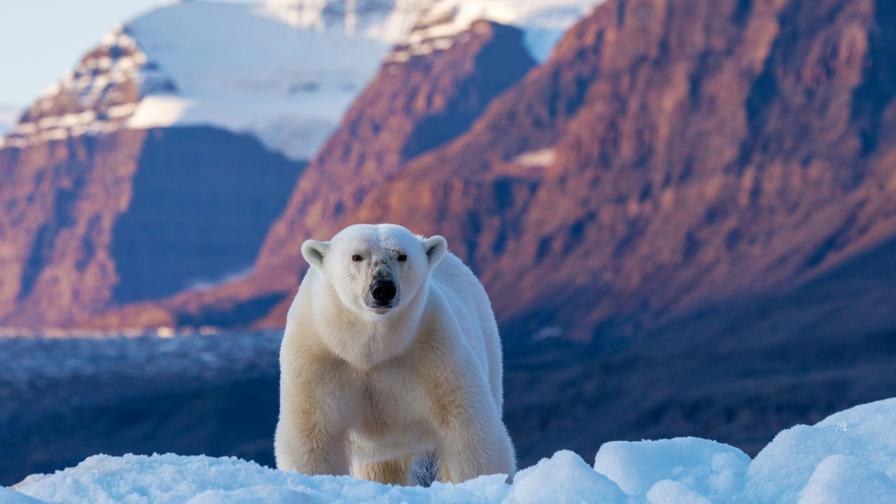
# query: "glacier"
{"type": "Point", "coordinates": [847, 457]}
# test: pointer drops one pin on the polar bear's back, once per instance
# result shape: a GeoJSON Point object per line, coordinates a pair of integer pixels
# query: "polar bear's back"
{"type": "Point", "coordinates": [472, 309]}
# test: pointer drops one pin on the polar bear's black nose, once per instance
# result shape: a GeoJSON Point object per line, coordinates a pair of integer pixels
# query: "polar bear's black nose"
{"type": "Point", "coordinates": [383, 291]}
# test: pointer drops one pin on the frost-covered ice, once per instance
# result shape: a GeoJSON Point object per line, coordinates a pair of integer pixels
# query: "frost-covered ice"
{"type": "Point", "coordinates": [850, 457]}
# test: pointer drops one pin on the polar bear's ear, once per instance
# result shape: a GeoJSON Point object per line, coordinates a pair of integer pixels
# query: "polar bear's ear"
{"type": "Point", "coordinates": [435, 248]}
{"type": "Point", "coordinates": [314, 251]}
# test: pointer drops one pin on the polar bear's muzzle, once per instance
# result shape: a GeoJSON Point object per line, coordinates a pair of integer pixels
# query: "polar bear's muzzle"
{"type": "Point", "coordinates": [383, 293]}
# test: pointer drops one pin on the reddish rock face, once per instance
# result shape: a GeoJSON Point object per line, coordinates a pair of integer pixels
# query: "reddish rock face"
{"type": "Point", "coordinates": [683, 153]}
{"type": "Point", "coordinates": [94, 222]}
{"type": "Point", "coordinates": [60, 201]}
{"type": "Point", "coordinates": [415, 104]}
{"type": "Point", "coordinates": [668, 156]}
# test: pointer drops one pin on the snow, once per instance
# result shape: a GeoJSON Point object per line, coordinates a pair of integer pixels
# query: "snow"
{"type": "Point", "coordinates": [237, 66]}
{"type": "Point", "coordinates": [848, 457]}
{"type": "Point", "coordinates": [11, 497]}
{"type": "Point", "coordinates": [705, 467]}
{"type": "Point", "coordinates": [283, 70]}
{"type": "Point", "coordinates": [295, 66]}
{"type": "Point", "coordinates": [564, 478]}
{"type": "Point", "coordinates": [538, 158]}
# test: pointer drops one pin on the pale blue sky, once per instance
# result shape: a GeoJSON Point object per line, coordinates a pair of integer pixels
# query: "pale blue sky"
{"type": "Point", "coordinates": [41, 39]}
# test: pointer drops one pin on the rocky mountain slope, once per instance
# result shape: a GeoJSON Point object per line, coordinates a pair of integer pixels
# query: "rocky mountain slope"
{"type": "Point", "coordinates": [288, 78]}
{"type": "Point", "coordinates": [669, 155]}
{"type": "Point", "coordinates": [90, 221]}
{"type": "Point", "coordinates": [418, 101]}
{"type": "Point", "coordinates": [655, 165]}
{"type": "Point", "coordinates": [168, 85]}
{"type": "Point", "coordinates": [180, 64]}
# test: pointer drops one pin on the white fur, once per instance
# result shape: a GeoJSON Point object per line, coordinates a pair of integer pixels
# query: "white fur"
{"type": "Point", "coordinates": [366, 393]}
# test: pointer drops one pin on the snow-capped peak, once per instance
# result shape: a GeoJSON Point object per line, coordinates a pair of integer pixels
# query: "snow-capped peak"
{"type": "Point", "coordinates": [543, 22]}
{"type": "Point", "coordinates": [97, 95]}
{"type": "Point", "coordinates": [283, 70]}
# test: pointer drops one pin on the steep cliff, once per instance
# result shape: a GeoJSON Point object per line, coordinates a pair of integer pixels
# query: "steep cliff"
{"type": "Point", "coordinates": [420, 99]}
{"type": "Point", "coordinates": [669, 155]}
{"type": "Point", "coordinates": [95, 221]}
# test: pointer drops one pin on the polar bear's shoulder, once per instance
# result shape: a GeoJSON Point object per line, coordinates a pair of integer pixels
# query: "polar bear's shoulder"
{"type": "Point", "coordinates": [459, 285]}
{"type": "Point", "coordinates": [453, 274]}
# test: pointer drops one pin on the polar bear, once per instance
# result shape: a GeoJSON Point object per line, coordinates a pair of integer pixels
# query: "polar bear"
{"type": "Point", "coordinates": [391, 353]}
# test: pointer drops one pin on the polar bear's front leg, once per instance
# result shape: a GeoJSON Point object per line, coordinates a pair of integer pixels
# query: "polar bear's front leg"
{"type": "Point", "coordinates": [315, 408]}
{"type": "Point", "coordinates": [475, 447]}
{"type": "Point", "coordinates": [473, 440]}
{"type": "Point", "coordinates": [390, 472]}
{"type": "Point", "coordinates": [310, 443]}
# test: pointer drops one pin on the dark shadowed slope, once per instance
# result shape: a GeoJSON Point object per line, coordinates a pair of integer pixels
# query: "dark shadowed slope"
{"type": "Point", "coordinates": [94, 221]}
{"type": "Point", "coordinates": [738, 372]}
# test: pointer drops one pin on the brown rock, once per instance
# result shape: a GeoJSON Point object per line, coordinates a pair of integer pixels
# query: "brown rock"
{"type": "Point", "coordinates": [95, 222]}
{"type": "Point", "coordinates": [685, 153]}
{"type": "Point", "coordinates": [413, 105]}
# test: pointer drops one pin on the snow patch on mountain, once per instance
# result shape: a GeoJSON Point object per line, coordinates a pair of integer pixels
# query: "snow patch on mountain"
{"type": "Point", "coordinates": [849, 457]}
{"type": "Point", "coordinates": [241, 69]}
{"type": "Point", "coordinates": [283, 70]}
{"type": "Point", "coordinates": [97, 95]}
{"type": "Point", "coordinates": [542, 21]}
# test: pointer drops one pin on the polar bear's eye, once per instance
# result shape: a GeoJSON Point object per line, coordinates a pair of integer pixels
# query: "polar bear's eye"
{"type": "Point", "coordinates": [402, 257]}
{"type": "Point", "coordinates": [357, 258]}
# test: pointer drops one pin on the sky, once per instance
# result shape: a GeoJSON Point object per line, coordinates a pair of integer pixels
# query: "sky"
{"type": "Point", "coordinates": [41, 39]}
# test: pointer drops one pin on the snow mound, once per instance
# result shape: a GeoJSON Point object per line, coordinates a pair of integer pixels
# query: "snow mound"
{"type": "Point", "coordinates": [848, 457]}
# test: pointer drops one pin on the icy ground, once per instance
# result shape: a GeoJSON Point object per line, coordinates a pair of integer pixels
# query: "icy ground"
{"type": "Point", "coordinates": [850, 457]}
{"type": "Point", "coordinates": [32, 368]}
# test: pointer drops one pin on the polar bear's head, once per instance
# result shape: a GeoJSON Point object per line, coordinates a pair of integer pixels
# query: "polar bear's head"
{"type": "Point", "coordinates": [375, 269]}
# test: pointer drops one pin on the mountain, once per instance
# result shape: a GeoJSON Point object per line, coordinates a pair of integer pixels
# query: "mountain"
{"type": "Point", "coordinates": [287, 78]}
{"type": "Point", "coordinates": [149, 105]}
{"type": "Point", "coordinates": [668, 156]}
{"type": "Point", "coordinates": [181, 64]}
{"type": "Point", "coordinates": [430, 88]}
{"type": "Point", "coordinates": [650, 167]}
{"type": "Point", "coordinates": [416, 102]}
{"type": "Point", "coordinates": [91, 221]}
